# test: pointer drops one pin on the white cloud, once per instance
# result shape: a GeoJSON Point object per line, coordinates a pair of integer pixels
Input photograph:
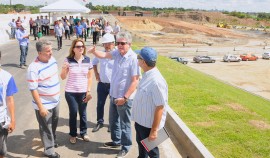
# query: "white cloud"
{"type": "Point", "coordinates": [230, 5]}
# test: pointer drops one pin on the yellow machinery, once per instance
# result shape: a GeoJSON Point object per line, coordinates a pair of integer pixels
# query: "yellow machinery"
{"type": "Point", "coordinates": [224, 25]}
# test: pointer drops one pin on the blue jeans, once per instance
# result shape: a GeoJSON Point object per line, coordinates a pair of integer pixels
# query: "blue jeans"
{"type": "Point", "coordinates": [24, 50]}
{"type": "Point", "coordinates": [103, 90]}
{"type": "Point", "coordinates": [75, 103]}
{"type": "Point", "coordinates": [120, 124]}
{"type": "Point", "coordinates": [59, 41]}
{"type": "Point", "coordinates": [142, 133]}
{"type": "Point", "coordinates": [13, 32]}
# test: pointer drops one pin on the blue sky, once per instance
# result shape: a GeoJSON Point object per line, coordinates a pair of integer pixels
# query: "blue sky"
{"type": "Point", "coordinates": [230, 5]}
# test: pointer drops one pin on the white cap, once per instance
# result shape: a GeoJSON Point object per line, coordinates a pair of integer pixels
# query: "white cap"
{"type": "Point", "coordinates": [107, 38]}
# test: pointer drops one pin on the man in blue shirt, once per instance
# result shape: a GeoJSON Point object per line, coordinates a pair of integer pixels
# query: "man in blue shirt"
{"type": "Point", "coordinates": [79, 29]}
{"type": "Point", "coordinates": [125, 77]}
{"type": "Point", "coordinates": [7, 122]}
{"type": "Point", "coordinates": [23, 38]}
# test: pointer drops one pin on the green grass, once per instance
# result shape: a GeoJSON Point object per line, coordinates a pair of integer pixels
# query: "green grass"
{"type": "Point", "coordinates": [217, 113]}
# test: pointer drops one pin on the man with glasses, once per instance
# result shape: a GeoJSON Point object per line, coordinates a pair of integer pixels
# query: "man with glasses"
{"type": "Point", "coordinates": [104, 79]}
{"type": "Point", "coordinates": [150, 102]}
{"type": "Point", "coordinates": [125, 77]}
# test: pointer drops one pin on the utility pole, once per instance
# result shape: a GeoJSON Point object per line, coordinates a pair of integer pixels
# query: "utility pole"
{"type": "Point", "coordinates": [10, 3]}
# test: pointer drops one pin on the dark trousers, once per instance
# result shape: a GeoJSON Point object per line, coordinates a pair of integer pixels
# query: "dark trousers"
{"type": "Point", "coordinates": [103, 90]}
{"type": "Point", "coordinates": [71, 29]}
{"type": "Point", "coordinates": [85, 35]}
{"type": "Point", "coordinates": [46, 30]}
{"type": "Point", "coordinates": [31, 29]}
{"type": "Point", "coordinates": [24, 51]}
{"type": "Point", "coordinates": [43, 29]}
{"type": "Point", "coordinates": [3, 140]}
{"type": "Point", "coordinates": [47, 128]}
{"type": "Point", "coordinates": [95, 33]}
{"type": "Point", "coordinates": [67, 34]}
{"type": "Point", "coordinates": [142, 133]}
{"type": "Point", "coordinates": [59, 41]}
{"type": "Point", "coordinates": [35, 31]}
{"type": "Point", "coordinates": [75, 103]}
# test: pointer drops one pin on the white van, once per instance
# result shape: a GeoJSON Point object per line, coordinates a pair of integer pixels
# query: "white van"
{"type": "Point", "coordinates": [266, 55]}
{"type": "Point", "coordinates": [229, 58]}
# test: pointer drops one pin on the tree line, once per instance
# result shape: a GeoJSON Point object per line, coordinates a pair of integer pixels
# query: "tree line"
{"type": "Point", "coordinates": [4, 9]}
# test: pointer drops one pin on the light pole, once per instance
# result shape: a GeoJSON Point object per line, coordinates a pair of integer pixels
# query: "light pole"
{"type": "Point", "coordinates": [10, 3]}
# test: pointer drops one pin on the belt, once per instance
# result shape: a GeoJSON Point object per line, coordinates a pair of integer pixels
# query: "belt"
{"type": "Point", "coordinates": [105, 83]}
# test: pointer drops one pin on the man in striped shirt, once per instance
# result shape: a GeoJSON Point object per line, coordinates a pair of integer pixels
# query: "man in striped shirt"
{"type": "Point", "coordinates": [43, 82]}
{"type": "Point", "coordinates": [150, 102]}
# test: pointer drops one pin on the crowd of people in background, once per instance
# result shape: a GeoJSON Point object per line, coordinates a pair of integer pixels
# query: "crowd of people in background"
{"type": "Point", "coordinates": [73, 26]}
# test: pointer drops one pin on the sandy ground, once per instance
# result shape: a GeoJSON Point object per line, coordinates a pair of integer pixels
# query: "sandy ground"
{"type": "Point", "coordinates": [167, 35]}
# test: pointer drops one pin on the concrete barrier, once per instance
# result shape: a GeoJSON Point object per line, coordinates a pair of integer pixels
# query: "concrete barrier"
{"type": "Point", "coordinates": [185, 141]}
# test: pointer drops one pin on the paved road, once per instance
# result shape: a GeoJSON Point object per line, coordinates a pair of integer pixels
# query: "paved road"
{"type": "Point", "coordinates": [26, 142]}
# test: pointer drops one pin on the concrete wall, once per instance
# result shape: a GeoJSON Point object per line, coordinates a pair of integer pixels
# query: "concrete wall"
{"type": "Point", "coordinates": [6, 18]}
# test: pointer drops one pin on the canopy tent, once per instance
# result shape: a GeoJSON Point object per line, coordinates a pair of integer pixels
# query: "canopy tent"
{"type": "Point", "coordinates": [69, 6]}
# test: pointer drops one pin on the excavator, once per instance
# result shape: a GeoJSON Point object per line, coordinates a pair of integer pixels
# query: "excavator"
{"type": "Point", "coordinates": [224, 25]}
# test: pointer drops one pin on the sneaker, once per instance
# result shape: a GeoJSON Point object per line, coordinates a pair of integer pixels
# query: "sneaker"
{"type": "Point", "coordinates": [56, 145]}
{"type": "Point", "coordinates": [112, 145]}
{"type": "Point", "coordinates": [54, 155]}
{"type": "Point", "coordinates": [121, 154]}
{"type": "Point", "coordinates": [98, 126]}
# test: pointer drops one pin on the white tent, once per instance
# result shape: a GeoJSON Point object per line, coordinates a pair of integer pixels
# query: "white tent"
{"type": "Point", "coordinates": [69, 6]}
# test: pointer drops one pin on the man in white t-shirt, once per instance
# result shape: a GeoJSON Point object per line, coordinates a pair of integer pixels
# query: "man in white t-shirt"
{"type": "Point", "coordinates": [7, 121]}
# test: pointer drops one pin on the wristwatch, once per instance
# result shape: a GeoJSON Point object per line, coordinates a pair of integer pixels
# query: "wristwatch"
{"type": "Point", "coordinates": [125, 98]}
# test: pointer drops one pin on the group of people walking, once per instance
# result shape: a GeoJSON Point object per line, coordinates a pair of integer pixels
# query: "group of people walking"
{"type": "Point", "coordinates": [118, 77]}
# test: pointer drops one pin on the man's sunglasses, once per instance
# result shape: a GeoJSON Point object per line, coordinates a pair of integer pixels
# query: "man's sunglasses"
{"type": "Point", "coordinates": [122, 43]}
{"type": "Point", "coordinates": [139, 57]}
{"type": "Point", "coordinates": [78, 47]}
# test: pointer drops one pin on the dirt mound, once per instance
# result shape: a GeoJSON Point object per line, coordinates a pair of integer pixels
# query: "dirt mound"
{"type": "Point", "coordinates": [214, 18]}
{"type": "Point", "coordinates": [142, 24]}
{"type": "Point", "coordinates": [175, 31]}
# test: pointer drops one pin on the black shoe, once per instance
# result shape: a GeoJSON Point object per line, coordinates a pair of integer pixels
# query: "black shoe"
{"type": "Point", "coordinates": [56, 145]}
{"type": "Point", "coordinates": [55, 155]}
{"type": "Point", "coordinates": [98, 126]}
{"type": "Point", "coordinates": [109, 129]}
{"type": "Point", "coordinates": [112, 145]}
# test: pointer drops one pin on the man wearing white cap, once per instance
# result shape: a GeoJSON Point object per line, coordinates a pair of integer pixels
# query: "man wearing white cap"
{"type": "Point", "coordinates": [23, 38]}
{"type": "Point", "coordinates": [104, 79]}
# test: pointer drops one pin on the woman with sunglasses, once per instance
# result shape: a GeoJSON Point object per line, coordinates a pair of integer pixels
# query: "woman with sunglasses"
{"type": "Point", "coordinates": [78, 69]}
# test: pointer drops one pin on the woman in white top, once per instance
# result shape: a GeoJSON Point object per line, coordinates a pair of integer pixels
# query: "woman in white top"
{"type": "Point", "coordinates": [78, 68]}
